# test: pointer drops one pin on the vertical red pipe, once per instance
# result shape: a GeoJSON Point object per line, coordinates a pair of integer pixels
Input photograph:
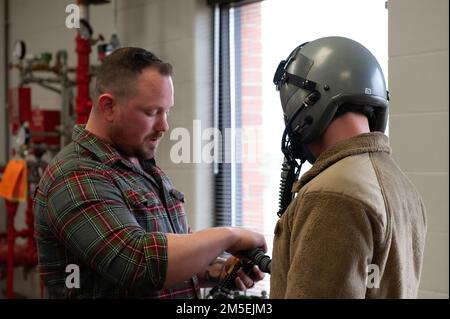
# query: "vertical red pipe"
{"type": "Point", "coordinates": [11, 209]}
{"type": "Point", "coordinates": [31, 248]}
{"type": "Point", "coordinates": [83, 100]}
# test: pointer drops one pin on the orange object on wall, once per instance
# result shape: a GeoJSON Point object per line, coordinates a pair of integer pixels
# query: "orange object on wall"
{"type": "Point", "coordinates": [14, 184]}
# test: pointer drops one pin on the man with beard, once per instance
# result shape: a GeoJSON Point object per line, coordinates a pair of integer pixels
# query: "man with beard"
{"type": "Point", "coordinates": [104, 205]}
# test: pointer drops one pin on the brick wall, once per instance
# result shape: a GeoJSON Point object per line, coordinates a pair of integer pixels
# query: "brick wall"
{"type": "Point", "coordinates": [251, 103]}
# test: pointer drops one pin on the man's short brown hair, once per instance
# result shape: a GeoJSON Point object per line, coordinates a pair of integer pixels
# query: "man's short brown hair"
{"type": "Point", "coordinates": [119, 71]}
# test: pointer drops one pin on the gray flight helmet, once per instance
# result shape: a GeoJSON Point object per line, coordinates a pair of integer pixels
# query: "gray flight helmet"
{"type": "Point", "coordinates": [318, 78]}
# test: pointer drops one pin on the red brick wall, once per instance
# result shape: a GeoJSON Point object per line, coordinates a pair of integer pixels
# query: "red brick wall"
{"type": "Point", "coordinates": [251, 89]}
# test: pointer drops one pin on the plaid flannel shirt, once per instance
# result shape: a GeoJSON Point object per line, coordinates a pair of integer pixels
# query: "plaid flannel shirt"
{"type": "Point", "coordinates": [97, 210]}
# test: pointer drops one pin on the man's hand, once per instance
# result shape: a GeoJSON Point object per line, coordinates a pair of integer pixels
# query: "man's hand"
{"type": "Point", "coordinates": [190, 254]}
{"type": "Point", "coordinates": [244, 281]}
{"type": "Point", "coordinates": [245, 240]}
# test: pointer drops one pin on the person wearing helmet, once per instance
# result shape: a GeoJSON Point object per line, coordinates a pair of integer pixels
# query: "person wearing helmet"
{"type": "Point", "coordinates": [357, 226]}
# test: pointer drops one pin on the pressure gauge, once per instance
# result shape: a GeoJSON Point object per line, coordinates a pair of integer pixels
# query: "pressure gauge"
{"type": "Point", "coordinates": [85, 29]}
{"type": "Point", "coordinates": [19, 50]}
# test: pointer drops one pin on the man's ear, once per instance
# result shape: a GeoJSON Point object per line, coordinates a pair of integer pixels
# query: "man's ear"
{"type": "Point", "coordinates": [107, 106]}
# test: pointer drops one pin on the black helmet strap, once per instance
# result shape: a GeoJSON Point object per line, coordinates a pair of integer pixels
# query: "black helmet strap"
{"type": "Point", "coordinates": [299, 82]}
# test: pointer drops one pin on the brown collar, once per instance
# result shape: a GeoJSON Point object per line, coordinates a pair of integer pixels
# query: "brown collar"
{"type": "Point", "coordinates": [359, 144]}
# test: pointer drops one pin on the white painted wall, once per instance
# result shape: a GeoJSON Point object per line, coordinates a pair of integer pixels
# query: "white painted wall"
{"type": "Point", "coordinates": [178, 31]}
{"type": "Point", "coordinates": [419, 114]}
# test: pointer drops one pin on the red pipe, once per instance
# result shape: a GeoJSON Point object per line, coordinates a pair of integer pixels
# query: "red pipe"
{"type": "Point", "coordinates": [31, 248]}
{"type": "Point", "coordinates": [11, 209]}
{"type": "Point", "coordinates": [14, 254]}
{"type": "Point", "coordinates": [83, 100]}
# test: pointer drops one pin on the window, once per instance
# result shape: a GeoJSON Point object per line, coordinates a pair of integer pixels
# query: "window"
{"type": "Point", "coordinates": [252, 39]}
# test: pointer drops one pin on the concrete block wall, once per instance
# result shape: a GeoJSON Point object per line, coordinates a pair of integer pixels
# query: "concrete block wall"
{"type": "Point", "coordinates": [177, 31]}
{"type": "Point", "coordinates": [419, 117]}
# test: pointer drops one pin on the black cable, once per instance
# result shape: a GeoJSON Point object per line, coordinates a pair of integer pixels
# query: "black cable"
{"type": "Point", "coordinates": [259, 258]}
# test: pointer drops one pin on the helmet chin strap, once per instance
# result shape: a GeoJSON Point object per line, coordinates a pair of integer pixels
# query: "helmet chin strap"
{"type": "Point", "coordinates": [292, 151]}
{"type": "Point", "coordinates": [306, 154]}
{"type": "Point", "coordinates": [290, 169]}
{"type": "Point", "coordinates": [289, 139]}
{"type": "Point", "coordinates": [290, 147]}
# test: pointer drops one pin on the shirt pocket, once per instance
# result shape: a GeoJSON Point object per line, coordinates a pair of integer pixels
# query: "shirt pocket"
{"type": "Point", "coordinates": [138, 198]}
{"type": "Point", "coordinates": [147, 209]}
{"type": "Point", "coordinates": [177, 195]}
{"type": "Point", "coordinates": [176, 209]}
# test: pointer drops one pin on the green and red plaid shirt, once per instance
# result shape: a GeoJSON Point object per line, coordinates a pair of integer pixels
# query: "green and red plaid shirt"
{"type": "Point", "coordinates": [97, 210]}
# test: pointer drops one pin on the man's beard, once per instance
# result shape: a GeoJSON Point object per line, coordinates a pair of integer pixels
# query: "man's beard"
{"type": "Point", "coordinates": [144, 154]}
{"type": "Point", "coordinates": [139, 152]}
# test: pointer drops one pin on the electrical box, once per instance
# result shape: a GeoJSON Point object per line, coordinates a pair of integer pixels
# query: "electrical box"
{"type": "Point", "coordinates": [45, 127]}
